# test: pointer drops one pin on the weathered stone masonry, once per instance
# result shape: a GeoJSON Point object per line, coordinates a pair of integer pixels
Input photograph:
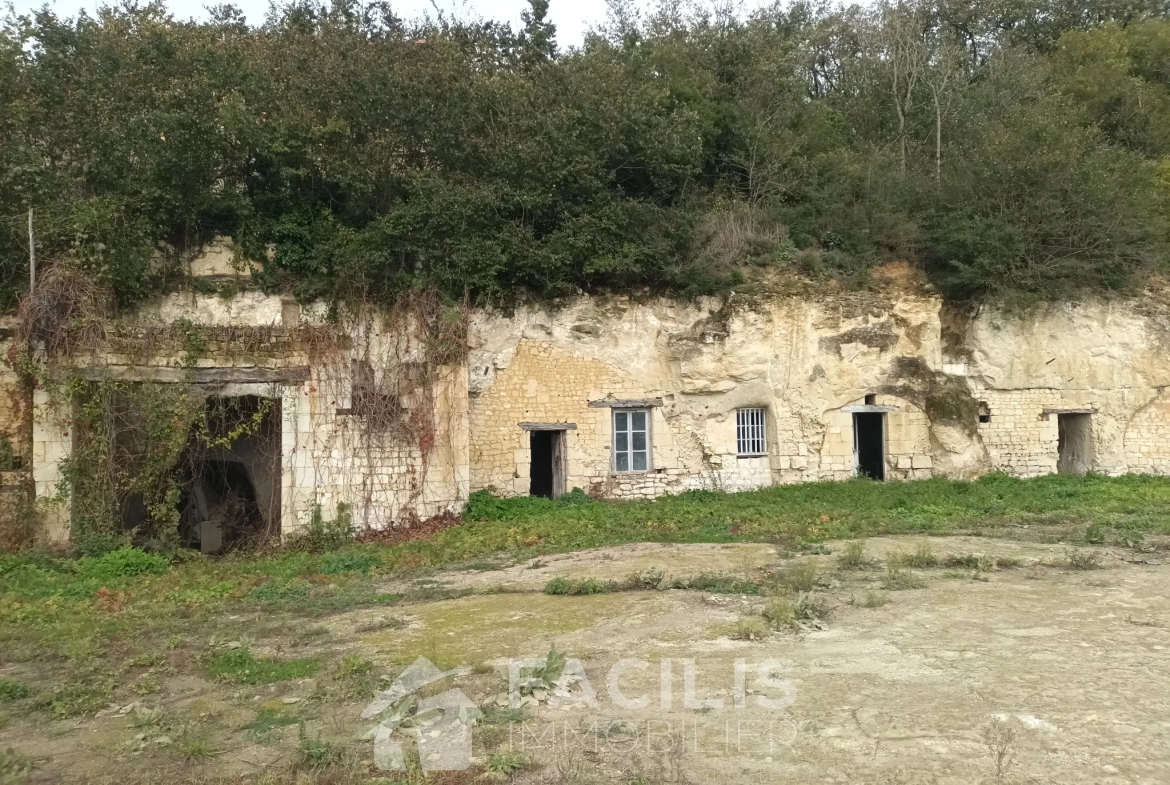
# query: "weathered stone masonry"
{"type": "Point", "coordinates": [959, 395]}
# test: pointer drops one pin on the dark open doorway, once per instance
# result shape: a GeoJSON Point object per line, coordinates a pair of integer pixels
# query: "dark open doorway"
{"type": "Point", "coordinates": [230, 474]}
{"type": "Point", "coordinates": [1075, 443]}
{"type": "Point", "coordinates": [869, 444]}
{"type": "Point", "coordinates": [547, 471]}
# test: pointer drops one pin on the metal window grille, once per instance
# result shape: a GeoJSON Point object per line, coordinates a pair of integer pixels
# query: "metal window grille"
{"type": "Point", "coordinates": [631, 440]}
{"type": "Point", "coordinates": [749, 432]}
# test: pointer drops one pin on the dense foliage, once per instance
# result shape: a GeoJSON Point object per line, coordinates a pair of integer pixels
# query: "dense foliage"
{"type": "Point", "coordinates": [1015, 148]}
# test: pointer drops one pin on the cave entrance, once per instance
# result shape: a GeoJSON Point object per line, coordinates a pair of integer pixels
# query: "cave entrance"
{"type": "Point", "coordinates": [1074, 443]}
{"type": "Point", "coordinates": [230, 474]}
{"type": "Point", "coordinates": [547, 469]}
{"type": "Point", "coordinates": [869, 445]}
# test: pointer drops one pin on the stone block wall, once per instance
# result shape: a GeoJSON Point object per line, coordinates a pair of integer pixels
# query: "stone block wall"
{"type": "Point", "coordinates": [1020, 439]}
{"type": "Point", "coordinates": [1147, 437]}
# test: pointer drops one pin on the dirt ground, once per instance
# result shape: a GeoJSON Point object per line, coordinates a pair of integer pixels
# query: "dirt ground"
{"type": "Point", "coordinates": [1067, 670]}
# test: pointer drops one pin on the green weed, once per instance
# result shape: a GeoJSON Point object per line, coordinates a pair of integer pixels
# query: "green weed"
{"type": "Point", "coordinates": [507, 762]}
{"type": "Point", "coordinates": [899, 579]}
{"type": "Point", "coordinates": [798, 576]}
{"type": "Point", "coordinates": [314, 751]}
{"type": "Point", "coordinates": [13, 690]}
{"type": "Point", "coordinates": [972, 561]}
{"type": "Point", "coordinates": [852, 556]}
{"type": "Point", "coordinates": [239, 666]}
{"type": "Point", "coordinates": [749, 629]}
{"type": "Point", "coordinates": [569, 586]}
{"type": "Point", "coordinates": [349, 561]}
{"type": "Point", "coordinates": [268, 721]}
{"type": "Point", "coordinates": [922, 558]}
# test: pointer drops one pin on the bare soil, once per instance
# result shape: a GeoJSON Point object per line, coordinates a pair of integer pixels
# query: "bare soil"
{"type": "Point", "coordinates": [1070, 667]}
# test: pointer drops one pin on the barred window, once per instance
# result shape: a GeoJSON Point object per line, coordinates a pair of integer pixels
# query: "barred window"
{"type": "Point", "coordinates": [749, 432]}
{"type": "Point", "coordinates": [631, 440]}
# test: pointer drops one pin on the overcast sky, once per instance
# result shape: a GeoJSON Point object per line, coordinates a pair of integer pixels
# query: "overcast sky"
{"type": "Point", "coordinates": [572, 17]}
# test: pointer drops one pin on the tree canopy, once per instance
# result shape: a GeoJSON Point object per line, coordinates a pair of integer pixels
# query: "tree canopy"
{"type": "Point", "coordinates": [1008, 148]}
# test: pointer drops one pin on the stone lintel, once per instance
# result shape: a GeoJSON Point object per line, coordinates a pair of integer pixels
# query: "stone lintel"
{"type": "Point", "coordinates": [130, 373]}
{"type": "Point", "coordinates": [625, 403]}
{"type": "Point", "coordinates": [549, 426]}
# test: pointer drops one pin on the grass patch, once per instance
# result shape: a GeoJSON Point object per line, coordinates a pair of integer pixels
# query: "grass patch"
{"type": "Point", "coordinates": [875, 599]}
{"type": "Point", "coordinates": [54, 610]}
{"type": "Point", "coordinates": [749, 629]}
{"type": "Point", "coordinates": [901, 579]}
{"type": "Point", "coordinates": [13, 690]}
{"type": "Point", "coordinates": [970, 561]}
{"type": "Point", "coordinates": [314, 752]}
{"type": "Point", "coordinates": [798, 576]}
{"type": "Point", "coordinates": [571, 587]}
{"type": "Point", "coordinates": [922, 558]}
{"type": "Point", "coordinates": [715, 583]}
{"type": "Point", "coordinates": [269, 720]}
{"type": "Point", "coordinates": [852, 556]}
{"type": "Point", "coordinates": [507, 762]}
{"type": "Point", "coordinates": [240, 666]}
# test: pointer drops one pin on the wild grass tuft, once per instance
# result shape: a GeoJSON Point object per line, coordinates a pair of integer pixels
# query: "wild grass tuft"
{"type": "Point", "coordinates": [852, 556]}
{"type": "Point", "coordinates": [800, 575]}
{"type": "Point", "coordinates": [899, 579]}
{"type": "Point", "coordinates": [749, 628]}
{"type": "Point", "coordinates": [922, 558]}
{"type": "Point", "coordinates": [1083, 560]}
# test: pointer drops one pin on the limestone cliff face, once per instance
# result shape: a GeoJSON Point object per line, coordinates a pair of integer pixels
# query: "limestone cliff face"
{"type": "Point", "coordinates": [940, 391]}
{"type": "Point", "coordinates": [966, 393]}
